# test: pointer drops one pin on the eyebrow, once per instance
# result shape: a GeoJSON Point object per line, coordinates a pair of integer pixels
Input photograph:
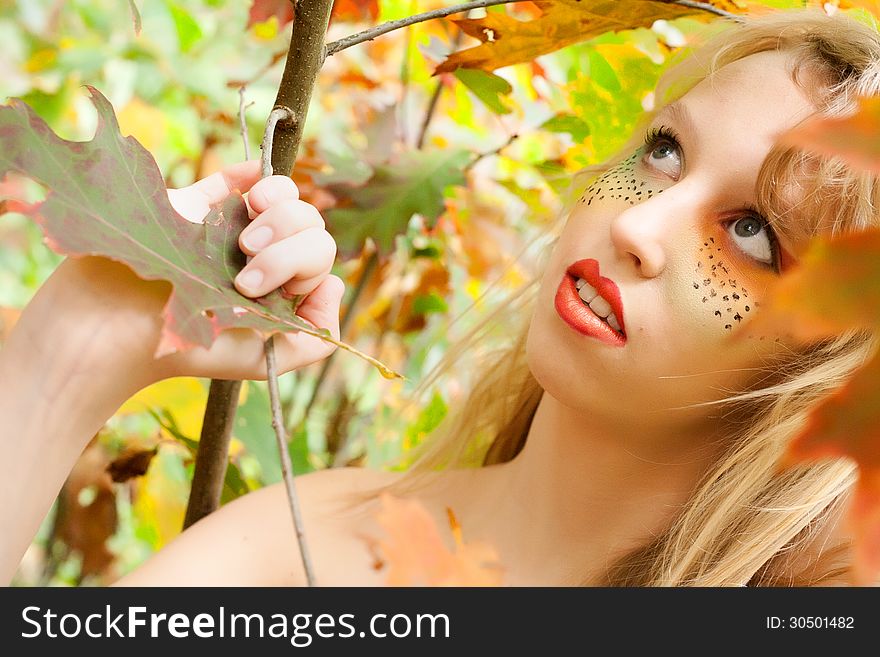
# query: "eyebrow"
{"type": "Point", "coordinates": [680, 114]}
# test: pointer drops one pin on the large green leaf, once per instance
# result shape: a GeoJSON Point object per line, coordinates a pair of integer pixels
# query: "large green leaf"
{"type": "Point", "coordinates": [383, 206]}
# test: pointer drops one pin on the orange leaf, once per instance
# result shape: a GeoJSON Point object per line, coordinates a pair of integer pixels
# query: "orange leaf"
{"type": "Point", "coordinates": [834, 287]}
{"type": "Point", "coordinates": [848, 424]}
{"type": "Point", "coordinates": [356, 10]}
{"type": "Point", "coordinates": [343, 10]}
{"type": "Point", "coordinates": [871, 6]}
{"type": "Point", "coordinates": [416, 554]}
{"type": "Point", "coordinates": [506, 40]}
{"type": "Point", "coordinates": [855, 139]}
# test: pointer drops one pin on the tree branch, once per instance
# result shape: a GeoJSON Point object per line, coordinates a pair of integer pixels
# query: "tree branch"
{"type": "Point", "coordinates": [304, 60]}
{"type": "Point", "coordinates": [212, 457]}
{"type": "Point", "coordinates": [370, 34]}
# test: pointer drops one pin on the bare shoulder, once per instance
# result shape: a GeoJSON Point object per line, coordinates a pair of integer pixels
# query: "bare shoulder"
{"type": "Point", "coordinates": [251, 541]}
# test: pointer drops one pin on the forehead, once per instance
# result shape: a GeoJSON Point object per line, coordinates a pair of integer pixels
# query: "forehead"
{"type": "Point", "coordinates": [737, 113]}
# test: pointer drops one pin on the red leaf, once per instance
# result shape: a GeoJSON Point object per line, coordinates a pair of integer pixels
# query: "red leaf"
{"type": "Point", "coordinates": [107, 197]}
{"type": "Point", "coordinates": [263, 10]}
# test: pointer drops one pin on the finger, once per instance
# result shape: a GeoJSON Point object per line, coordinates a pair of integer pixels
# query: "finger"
{"type": "Point", "coordinates": [303, 255]}
{"type": "Point", "coordinates": [321, 309]}
{"type": "Point", "coordinates": [287, 217]}
{"type": "Point", "coordinates": [305, 285]}
{"type": "Point", "coordinates": [219, 185]}
{"type": "Point", "coordinates": [270, 190]}
{"type": "Point", "coordinates": [194, 202]}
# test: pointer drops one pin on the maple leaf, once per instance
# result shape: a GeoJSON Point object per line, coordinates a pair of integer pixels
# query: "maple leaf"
{"type": "Point", "coordinates": [382, 207]}
{"type": "Point", "coordinates": [107, 198]}
{"type": "Point", "coordinates": [416, 555]}
{"type": "Point", "coordinates": [855, 138]}
{"type": "Point", "coordinates": [507, 40]}
{"type": "Point", "coordinates": [835, 286]}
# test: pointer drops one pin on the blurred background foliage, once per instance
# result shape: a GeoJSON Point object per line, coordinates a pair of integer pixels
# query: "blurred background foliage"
{"type": "Point", "coordinates": [453, 196]}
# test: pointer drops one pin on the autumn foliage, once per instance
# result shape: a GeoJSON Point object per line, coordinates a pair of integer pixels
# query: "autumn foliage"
{"type": "Point", "coordinates": [420, 231]}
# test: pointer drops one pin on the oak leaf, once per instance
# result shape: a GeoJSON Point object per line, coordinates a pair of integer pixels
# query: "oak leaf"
{"type": "Point", "coordinates": [107, 197]}
{"type": "Point", "coordinates": [507, 40]}
{"type": "Point", "coordinates": [847, 424]}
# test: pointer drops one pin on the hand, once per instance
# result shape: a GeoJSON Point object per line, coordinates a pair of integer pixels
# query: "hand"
{"type": "Point", "coordinates": [290, 248]}
{"type": "Point", "coordinates": [298, 256]}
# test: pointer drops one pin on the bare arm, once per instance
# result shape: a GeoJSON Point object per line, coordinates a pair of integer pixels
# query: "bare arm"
{"type": "Point", "coordinates": [86, 341]}
{"type": "Point", "coordinates": [62, 375]}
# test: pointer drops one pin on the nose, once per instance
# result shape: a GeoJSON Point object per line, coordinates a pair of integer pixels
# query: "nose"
{"type": "Point", "coordinates": [643, 232]}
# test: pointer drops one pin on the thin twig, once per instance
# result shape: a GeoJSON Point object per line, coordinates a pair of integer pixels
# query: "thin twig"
{"type": "Point", "coordinates": [435, 97]}
{"type": "Point", "coordinates": [705, 6]}
{"type": "Point", "coordinates": [277, 57]}
{"type": "Point", "coordinates": [276, 115]}
{"type": "Point", "coordinates": [494, 151]}
{"type": "Point", "coordinates": [242, 123]}
{"type": "Point", "coordinates": [368, 35]}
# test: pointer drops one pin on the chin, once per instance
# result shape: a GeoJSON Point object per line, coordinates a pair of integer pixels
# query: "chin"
{"type": "Point", "coordinates": [567, 377]}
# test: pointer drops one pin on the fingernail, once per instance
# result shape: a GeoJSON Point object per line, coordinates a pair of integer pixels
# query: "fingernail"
{"type": "Point", "coordinates": [250, 279]}
{"type": "Point", "coordinates": [257, 239]}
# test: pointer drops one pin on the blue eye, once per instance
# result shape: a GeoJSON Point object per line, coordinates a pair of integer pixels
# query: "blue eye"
{"type": "Point", "coordinates": [752, 232]}
{"type": "Point", "coordinates": [661, 143]}
{"type": "Point", "coordinates": [755, 237]}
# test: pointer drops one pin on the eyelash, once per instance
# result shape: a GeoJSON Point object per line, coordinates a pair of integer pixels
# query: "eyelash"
{"type": "Point", "coordinates": [656, 135]}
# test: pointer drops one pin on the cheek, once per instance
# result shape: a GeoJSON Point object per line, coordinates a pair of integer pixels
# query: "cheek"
{"type": "Point", "coordinates": [622, 183]}
{"type": "Point", "coordinates": [723, 294]}
{"type": "Point", "coordinates": [723, 297]}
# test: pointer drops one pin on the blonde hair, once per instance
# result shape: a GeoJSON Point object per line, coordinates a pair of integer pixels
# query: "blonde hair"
{"type": "Point", "coordinates": [747, 521]}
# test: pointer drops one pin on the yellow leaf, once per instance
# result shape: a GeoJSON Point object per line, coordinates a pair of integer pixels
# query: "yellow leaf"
{"type": "Point", "coordinates": [267, 30]}
{"type": "Point", "coordinates": [506, 40]}
{"type": "Point", "coordinates": [161, 497]}
{"type": "Point", "coordinates": [143, 122]}
{"type": "Point", "coordinates": [40, 60]}
{"type": "Point", "coordinates": [185, 397]}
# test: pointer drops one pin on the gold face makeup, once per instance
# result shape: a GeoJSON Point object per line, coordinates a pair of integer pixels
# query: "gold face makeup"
{"type": "Point", "coordinates": [621, 183]}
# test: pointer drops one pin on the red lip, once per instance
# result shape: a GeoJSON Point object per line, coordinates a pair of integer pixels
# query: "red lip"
{"type": "Point", "coordinates": [578, 315]}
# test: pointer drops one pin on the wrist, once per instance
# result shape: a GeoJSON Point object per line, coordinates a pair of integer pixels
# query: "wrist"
{"type": "Point", "coordinates": [93, 327]}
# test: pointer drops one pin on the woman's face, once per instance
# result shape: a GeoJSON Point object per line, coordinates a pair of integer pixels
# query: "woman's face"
{"type": "Point", "coordinates": [672, 228]}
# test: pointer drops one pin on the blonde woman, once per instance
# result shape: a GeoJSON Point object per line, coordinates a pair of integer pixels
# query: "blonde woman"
{"type": "Point", "coordinates": [631, 440]}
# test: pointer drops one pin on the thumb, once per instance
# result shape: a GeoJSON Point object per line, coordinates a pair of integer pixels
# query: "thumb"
{"type": "Point", "coordinates": [195, 201]}
{"type": "Point", "coordinates": [321, 307]}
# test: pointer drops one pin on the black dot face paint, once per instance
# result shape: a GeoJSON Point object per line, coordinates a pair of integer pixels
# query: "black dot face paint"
{"type": "Point", "coordinates": [622, 183]}
{"type": "Point", "coordinates": [729, 304]}
{"type": "Point", "coordinates": [724, 298]}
